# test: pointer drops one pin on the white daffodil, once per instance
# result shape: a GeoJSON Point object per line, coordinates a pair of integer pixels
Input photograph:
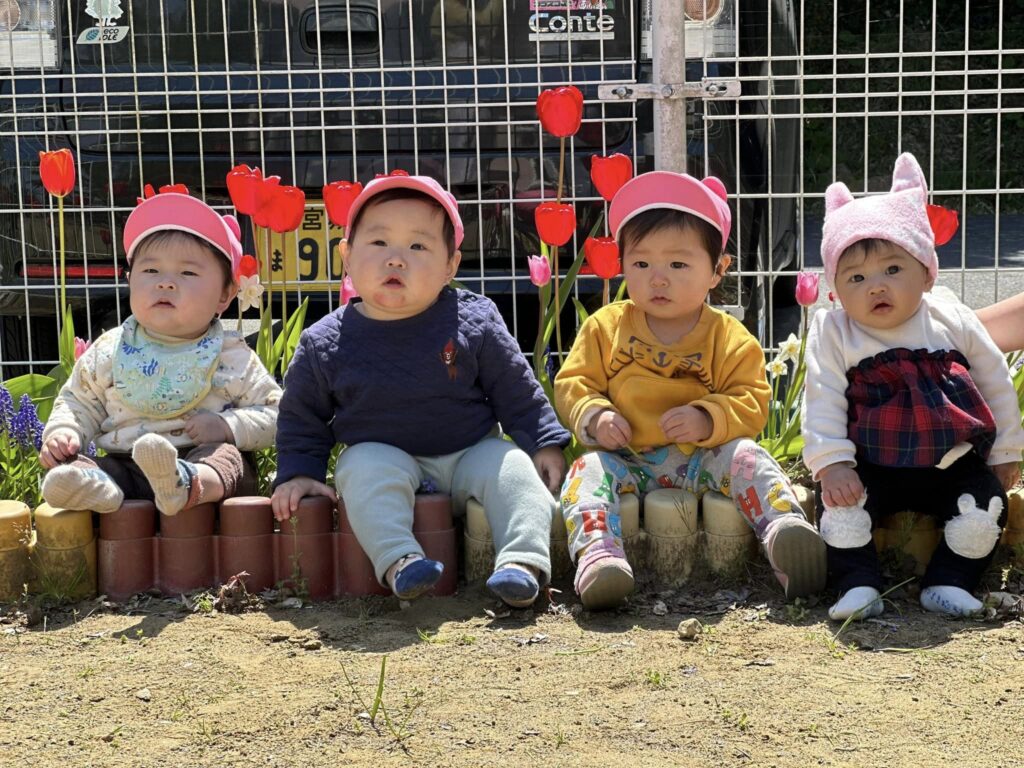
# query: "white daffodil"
{"type": "Point", "coordinates": [790, 348]}
{"type": "Point", "coordinates": [777, 367]}
{"type": "Point", "coordinates": [249, 292]}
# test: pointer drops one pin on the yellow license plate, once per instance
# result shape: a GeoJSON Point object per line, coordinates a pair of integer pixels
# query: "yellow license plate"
{"type": "Point", "coordinates": [306, 260]}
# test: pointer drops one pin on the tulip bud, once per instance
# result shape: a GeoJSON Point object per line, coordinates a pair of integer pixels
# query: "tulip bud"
{"type": "Point", "coordinates": [807, 288]}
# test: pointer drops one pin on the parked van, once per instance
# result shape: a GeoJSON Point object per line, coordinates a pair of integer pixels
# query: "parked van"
{"type": "Point", "coordinates": [170, 91]}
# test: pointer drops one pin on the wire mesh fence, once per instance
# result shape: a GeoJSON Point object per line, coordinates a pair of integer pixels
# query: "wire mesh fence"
{"type": "Point", "coordinates": [177, 91]}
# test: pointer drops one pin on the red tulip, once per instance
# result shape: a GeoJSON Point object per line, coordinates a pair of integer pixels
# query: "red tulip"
{"type": "Point", "coordinates": [57, 171]}
{"type": "Point", "coordinates": [560, 110]}
{"type": "Point", "coordinates": [396, 172]}
{"type": "Point", "coordinates": [807, 288]}
{"type": "Point", "coordinates": [555, 222]}
{"type": "Point", "coordinates": [338, 197]}
{"type": "Point", "coordinates": [248, 266]}
{"type": "Point", "coordinates": [602, 255]}
{"type": "Point", "coordinates": [181, 189]}
{"type": "Point", "coordinates": [540, 270]}
{"type": "Point", "coordinates": [147, 192]}
{"type": "Point", "coordinates": [286, 209]}
{"type": "Point", "coordinates": [243, 185]}
{"type": "Point", "coordinates": [944, 223]}
{"type": "Point", "coordinates": [265, 195]}
{"type": "Point", "coordinates": [610, 173]}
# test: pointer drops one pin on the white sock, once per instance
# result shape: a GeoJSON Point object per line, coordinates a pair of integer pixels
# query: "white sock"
{"type": "Point", "coordinates": [71, 486]}
{"type": "Point", "coordinates": [859, 602]}
{"type": "Point", "coordinates": [158, 459]}
{"type": "Point", "coordinates": [950, 600]}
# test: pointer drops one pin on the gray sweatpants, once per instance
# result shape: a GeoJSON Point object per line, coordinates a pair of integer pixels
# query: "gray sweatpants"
{"type": "Point", "coordinates": [378, 483]}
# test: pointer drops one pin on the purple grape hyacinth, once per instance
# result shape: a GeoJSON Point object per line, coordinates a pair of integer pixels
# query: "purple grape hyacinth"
{"type": "Point", "coordinates": [26, 428]}
{"type": "Point", "coordinates": [6, 409]}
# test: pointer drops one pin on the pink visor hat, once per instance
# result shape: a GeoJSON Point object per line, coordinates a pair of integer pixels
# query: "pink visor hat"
{"type": "Point", "coordinates": [424, 184]}
{"type": "Point", "coordinates": [900, 216]}
{"type": "Point", "coordinates": [705, 199]}
{"type": "Point", "coordinates": [184, 213]}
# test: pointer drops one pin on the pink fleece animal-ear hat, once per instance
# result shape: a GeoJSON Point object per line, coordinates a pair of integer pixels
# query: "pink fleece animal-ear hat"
{"type": "Point", "coordinates": [704, 198]}
{"type": "Point", "coordinates": [184, 213]}
{"type": "Point", "coordinates": [900, 216]}
{"type": "Point", "coordinates": [428, 186]}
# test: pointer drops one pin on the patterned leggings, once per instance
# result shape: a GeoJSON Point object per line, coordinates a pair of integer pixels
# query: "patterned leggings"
{"type": "Point", "coordinates": [740, 469]}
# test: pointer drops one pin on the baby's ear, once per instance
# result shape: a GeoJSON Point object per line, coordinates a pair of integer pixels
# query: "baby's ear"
{"type": "Point", "coordinates": [724, 262]}
{"type": "Point", "coordinates": [836, 196]}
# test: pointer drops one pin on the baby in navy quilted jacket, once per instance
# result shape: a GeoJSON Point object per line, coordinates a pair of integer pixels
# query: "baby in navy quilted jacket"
{"type": "Point", "coordinates": [419, 381]}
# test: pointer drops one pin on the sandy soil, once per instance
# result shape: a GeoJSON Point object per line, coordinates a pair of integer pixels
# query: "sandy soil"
{"type": "Point", "coordinates": [159, 682]}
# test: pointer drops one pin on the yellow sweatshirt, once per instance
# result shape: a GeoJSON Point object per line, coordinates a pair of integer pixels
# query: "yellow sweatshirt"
{"type": "Point", "coordinates": [617, 362]}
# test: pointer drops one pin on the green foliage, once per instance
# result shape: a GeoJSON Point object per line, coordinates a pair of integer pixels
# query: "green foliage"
{"type": "Point", "coordinates": [277, 353]}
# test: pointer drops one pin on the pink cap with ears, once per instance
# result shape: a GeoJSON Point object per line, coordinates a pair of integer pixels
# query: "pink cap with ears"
{"type": "Point", "coordinates": [899, 216]}
{"type": "Point", "coordinates": [184, 213]}
{"type": "Point", "coordinates": [705, 199]}
{"type": "Point", "coordinates": [424, 184]}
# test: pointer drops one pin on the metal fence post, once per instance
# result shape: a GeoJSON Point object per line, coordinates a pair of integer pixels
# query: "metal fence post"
{"type": "Point", "coordinates": [669, 60]}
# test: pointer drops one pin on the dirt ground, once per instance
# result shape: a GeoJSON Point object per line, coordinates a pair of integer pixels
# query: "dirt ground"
{"type": "Point", "coordinates": [159, 682]}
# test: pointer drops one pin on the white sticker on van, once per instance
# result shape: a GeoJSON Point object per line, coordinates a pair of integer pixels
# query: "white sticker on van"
{"type": "Point", "coordinates": [546, 26]}
{"type": "Point", "coordinates": [106, 12]}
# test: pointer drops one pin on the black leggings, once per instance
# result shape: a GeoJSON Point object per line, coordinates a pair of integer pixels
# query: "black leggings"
{"type": "Point", "coordinates": [928, 491]}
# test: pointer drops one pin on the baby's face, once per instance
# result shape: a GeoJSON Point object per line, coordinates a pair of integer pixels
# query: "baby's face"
{"type": "Point", "coordinates": [881, 289]}
{"type": "Point", "coordinates": [176, 291]}
{"type": "Point", "coordinates": [398, 258]}
{"type": "Point", "coordinates": [669, 274]}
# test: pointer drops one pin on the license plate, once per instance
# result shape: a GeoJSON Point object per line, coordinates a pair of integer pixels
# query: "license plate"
{"type": "Point", "coordinates": [306, 260]}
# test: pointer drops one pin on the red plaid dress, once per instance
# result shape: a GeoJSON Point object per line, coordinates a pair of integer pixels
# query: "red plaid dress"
{"type": "Point", "coordinates": [908, 408]}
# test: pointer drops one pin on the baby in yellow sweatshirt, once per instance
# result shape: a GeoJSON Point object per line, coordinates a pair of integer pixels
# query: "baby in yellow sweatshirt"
{"type": "Point", "coordinates": [670, 392]}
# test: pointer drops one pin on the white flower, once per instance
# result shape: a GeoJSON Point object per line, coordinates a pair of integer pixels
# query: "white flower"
{"type": "Point", "coordinates": [249, 292]}
{"type": "Point", "coordinates": [777, 367]}
{"type": "Point", "coordinates": [789, 349]}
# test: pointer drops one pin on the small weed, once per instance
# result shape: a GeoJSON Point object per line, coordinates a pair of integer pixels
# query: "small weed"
{"type": "Point", "coordinates": [296, 584]}
{"type": "Point", "coordinates": [796, 611]}
{"type": "Point", "coordinates": [398, 729]}
{"type": "Point", "coordinates": [431, 638]}
{"type": "Point", "coordinates": [203, 603]}
{"type": "Point", "coordinates": [560, 739]}
{"type": "Point", "coordinates": [87, 672]}
{"type": "Point", "coordinates": [738, 720]}
{"type": "Point", "coordinates": [466, 640]}
{"type": "Point", "coordinates": [655, 679]}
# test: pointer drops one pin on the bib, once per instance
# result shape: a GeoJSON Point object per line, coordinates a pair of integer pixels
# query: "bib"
{"type": "Point", "coordinates": [160, 379]}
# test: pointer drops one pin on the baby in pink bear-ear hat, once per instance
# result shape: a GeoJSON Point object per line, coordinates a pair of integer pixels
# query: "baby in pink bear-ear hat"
{"type": "Point", "coordinates": [909, 404]}
{"type": "Point", "coordinates": [176, 401]}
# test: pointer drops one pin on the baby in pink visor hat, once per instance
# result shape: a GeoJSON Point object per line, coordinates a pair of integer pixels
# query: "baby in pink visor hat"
{"type": "Point", "coordinates": [909, 404]}
{"type": "Point", "coordinates": [176, 401]}
{"type": "Point", "coordinates": [669, 392]}
{"type": "Point", "coordinates": [419, 380]}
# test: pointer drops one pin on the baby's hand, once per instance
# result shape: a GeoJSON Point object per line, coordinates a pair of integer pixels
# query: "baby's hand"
{"type": "Point", "coordinates": [610, 430]}
{"type": "Point", "coordinates": [686, 424]}
{"type": "Point", "coordinates": [1008, 474]}
{"type": "Point", "coordinates": [61, 446]}
{"type": "Point", "coordinates": [550, 464]}
{"type": "Point", "coordinates": [840, 486]}
{"type": "Point", "coordinates": [206, 427]}
{"type": "Point", "coordinates": [288, 494]}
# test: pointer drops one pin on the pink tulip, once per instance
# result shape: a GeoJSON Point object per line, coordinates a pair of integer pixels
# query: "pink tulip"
{"type": "Point", "coordinates": [348, 291]}
{"type": "Point", "coordinates": [807, 288]}
{"type": "Point", "coordinates": [540, 270]}
{"type": "Point", "coordinates": [80, 346]}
